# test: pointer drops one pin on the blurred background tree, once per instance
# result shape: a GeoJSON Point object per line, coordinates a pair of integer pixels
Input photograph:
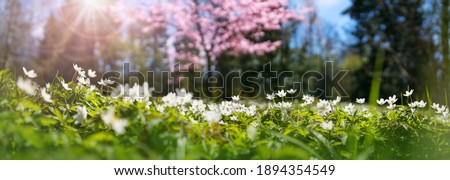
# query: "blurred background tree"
{"type": "Point", "coordinates": [387, 46]}
{"type": "Point", "coordinates": [396, 31]}
{"type": "Point", "coordinates": [82, 34]}
{"type": "Point", "coordinates": [16, 42]}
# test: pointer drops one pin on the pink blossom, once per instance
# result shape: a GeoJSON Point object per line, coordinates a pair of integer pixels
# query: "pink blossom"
{"type": "Point", "coordinates": [205, 30]}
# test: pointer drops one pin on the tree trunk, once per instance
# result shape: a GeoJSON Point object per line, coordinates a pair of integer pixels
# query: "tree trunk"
{"type": "Point", "coordinates": [10, 17]}
{"type": "Point", "coordinates": [208, 75]}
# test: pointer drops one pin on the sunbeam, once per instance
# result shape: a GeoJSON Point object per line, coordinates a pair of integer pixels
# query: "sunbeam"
{"type": "Point", "coordinates": [89, 18]}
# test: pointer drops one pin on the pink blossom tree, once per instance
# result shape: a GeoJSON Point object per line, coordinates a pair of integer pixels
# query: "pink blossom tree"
{"type": "Point", "coordinates": [203, 30]}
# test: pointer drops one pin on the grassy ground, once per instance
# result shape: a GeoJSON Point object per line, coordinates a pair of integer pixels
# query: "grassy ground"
{"type": "Point", "coordinates": [77, 122]}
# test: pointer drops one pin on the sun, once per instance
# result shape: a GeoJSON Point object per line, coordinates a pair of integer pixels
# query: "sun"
{"type": "Point", "coordinates": [94, 4]}
{"type": "Point", "coordinates": [89, 18]}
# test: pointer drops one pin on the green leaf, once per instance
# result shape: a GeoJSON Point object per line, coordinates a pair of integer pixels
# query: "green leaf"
{"type": "Point", "coordinates": [30, 105]}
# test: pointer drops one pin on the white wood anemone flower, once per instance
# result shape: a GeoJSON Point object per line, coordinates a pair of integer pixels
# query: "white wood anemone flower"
{"type": "Point", "coordinates": [360, 100]}
{"type": "Point", "coordinates": [91, 73]}
{"type": "Point", "coordinates": [270, 96]}
{"type": "Point", "coordinates": [212, 116]}
{"type": "Point", "coordinates": [66, 86]}
{"type": "Point", "coordinates": [81, 115]}
{"type": "Point", "coordinates": [31, 74]}
{"type": "Point", "coordinates": [77, 68]}
{"type": "Point", "coordinates": [27, 85]}
{"type": "Point", "coordinates": [105, 82]}
{"type": "Point", "coordinates": [281, 93]}
{"type": "Point", "coordinates": [116, 123]}
{"type": "Point", "coordinates": [381, 102]}
{"type": "Point", "coordinates": [46, 96]}
{"type": "Point", "coordinates": [329, 125]}
{"type": "Point", "coordinates": [408, 93]}
{"type": "Point", "coordinates": [291, 91]}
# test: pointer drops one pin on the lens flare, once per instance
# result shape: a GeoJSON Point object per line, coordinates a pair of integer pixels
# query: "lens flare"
{"type": "Point", "coordinates": [95, 5]}
{"type": "Point", "coordinates": [89, 18]}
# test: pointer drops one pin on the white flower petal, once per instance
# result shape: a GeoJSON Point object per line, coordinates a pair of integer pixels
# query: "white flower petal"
{"type": "Point", "coordinates": [360, 100]}
{"type": "Point", "coordinates": [281, 93]}
{"type": "Point", "coordinates": [46, 96]}
{"type": "Point", "coordinates": [408, 93]}
{"type": "Point", "coordinates": [31, 74]}
{"type": "Point", "coordinates": [66, 86]}
{"type": "Point", "coordinates": [92, 73]}
{"type": "Point", "coordinates": [27, 85]}
{"type": "Point", "coordinates": [291, 91]}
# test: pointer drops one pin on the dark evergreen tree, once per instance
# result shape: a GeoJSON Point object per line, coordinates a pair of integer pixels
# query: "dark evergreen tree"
{"type": "Point", "coordinates": [50, 48]}
{"type": "Point", "coordinates": [394, 31]}
{"type": "Point", "coordinates": [16, 41]}
{"type": "Point", "coordinates": [73, 36]}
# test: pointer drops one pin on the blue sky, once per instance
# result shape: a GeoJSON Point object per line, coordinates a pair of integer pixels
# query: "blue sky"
{"type": "Point", "coordinates": [330, 12]}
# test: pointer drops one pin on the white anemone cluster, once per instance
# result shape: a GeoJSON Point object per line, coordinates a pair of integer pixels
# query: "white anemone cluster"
{"type": "Point", "coordinates": [391, 101]}
{"type": "Point", "coordinates": [211, 112]}
{"type": "Point", "coordinates": [308, 100]}
{"type": "Point", "coordinates": [441, 109]}
{"type": "Point", "coordinates": [31, 88]}
{"type": "Point", "coordinates": [326, 107]}
{"type": "Point", "coordinates": [197, 110]}
{"type": "Point", "coordinates": [82, 78]}
{"type": "Point", "coordinates": [140, 93]}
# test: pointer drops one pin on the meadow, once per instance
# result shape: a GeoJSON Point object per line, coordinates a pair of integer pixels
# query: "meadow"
{"type": "Point", "coordinates": [74, 120]}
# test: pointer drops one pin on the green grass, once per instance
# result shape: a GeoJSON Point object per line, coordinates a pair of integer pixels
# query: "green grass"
{"type": "Point", "coordinates": [31, 128]}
